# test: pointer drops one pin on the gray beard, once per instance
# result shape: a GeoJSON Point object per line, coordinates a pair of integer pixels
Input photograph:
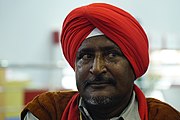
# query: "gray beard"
{"type": "Point", "coordinates": [101, 100]}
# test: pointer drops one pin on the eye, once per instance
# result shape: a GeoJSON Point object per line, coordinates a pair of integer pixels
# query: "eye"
{"type": "Point", "coordinates": [87, 56]}
{"type": "Point", "coordinates": [84, 56]}
{"type": "Point", "coordinates": [112, 55]}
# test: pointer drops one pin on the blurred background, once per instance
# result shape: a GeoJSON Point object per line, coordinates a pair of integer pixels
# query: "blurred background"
{"type": "Point", "coordinates": [31, 61]}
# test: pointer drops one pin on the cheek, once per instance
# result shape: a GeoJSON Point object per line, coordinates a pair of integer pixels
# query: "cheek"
{"type": "Point", "coordinates": [122, 72]}
{"type": "Point", "coordinates": [81, 72]}
{"type": "Point", "coordinates": [124, 78]}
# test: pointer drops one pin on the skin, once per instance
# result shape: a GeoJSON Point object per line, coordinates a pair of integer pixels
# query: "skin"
{"type": "Point", "coordinates": [104, 77]}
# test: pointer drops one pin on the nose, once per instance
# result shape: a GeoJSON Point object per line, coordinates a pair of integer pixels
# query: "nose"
{"type": "Point", "coordinates": [98, 66]}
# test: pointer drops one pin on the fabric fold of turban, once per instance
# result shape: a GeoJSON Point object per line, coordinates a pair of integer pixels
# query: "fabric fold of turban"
{"type": "Point", "coordinates": [117, 24]}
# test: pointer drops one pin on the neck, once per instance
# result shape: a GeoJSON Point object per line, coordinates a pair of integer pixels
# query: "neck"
{"type": "Point", "coordinates": [113, 109]}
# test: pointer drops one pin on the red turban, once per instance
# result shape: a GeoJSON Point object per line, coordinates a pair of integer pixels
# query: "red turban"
{"type": "Point", "coordinates": [115, 23]}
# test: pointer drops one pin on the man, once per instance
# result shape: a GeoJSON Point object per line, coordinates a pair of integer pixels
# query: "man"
{"type": "Point", "coordinates": [108, 49]}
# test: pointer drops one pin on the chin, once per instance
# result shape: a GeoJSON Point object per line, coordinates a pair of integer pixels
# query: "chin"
{"type": "Point", "coordinates": [98, 100]}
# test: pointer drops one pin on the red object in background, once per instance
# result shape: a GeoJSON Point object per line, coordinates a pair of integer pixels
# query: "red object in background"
{"type": "Point", "coordinates": [56, 37]}
{"type": "Point", "coordinates": [30, 94]}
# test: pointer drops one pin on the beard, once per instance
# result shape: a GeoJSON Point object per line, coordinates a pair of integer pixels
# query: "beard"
{"type": "Point", "coordinates": [98, 100]}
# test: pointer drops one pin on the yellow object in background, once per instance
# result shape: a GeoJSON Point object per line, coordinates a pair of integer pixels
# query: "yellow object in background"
{"type": "Point", "coordinates": [2, 100]}
{"type": "Point", "coordinates": [11, 96]}
{"type": "Point", "coordinates": [2, 75]}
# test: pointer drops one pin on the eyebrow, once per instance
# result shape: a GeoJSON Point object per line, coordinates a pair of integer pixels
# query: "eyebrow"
{"type": "Point", "coordinates": [85, 50]}
{"type": "Point", "coordinates": [110, 48]}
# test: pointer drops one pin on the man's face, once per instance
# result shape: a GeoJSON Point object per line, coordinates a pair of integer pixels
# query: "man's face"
{"type": "Point", "coordinates": [103, 74]}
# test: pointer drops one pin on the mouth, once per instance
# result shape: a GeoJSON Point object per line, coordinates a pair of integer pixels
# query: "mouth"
{"type": "Point", "coordinates": [99, 84]}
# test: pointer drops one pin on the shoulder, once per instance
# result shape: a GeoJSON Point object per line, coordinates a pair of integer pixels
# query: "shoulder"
{"type": "Point", "coordinates": [49, 105]}
{"type": "Point", "coordinates": [161, 110]}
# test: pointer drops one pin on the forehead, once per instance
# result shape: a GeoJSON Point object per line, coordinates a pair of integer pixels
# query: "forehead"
{"type": "Point", "coordinates": [98, 42]}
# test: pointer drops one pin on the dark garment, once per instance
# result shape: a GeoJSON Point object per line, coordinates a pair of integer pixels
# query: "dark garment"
{"type": "Point", "coordinates": [51, 105]}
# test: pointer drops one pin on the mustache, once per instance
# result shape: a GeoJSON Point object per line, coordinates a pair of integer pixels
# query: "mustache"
{"type": "Point", "coordinates": [98, 80]}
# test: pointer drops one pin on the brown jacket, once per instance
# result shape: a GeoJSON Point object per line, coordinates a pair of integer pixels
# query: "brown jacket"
{"type": "Point", "coordinates": [50, 106]}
